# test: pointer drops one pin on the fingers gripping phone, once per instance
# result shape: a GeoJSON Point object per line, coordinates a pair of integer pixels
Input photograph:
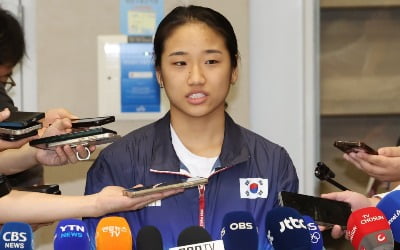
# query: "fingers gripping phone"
{"type": "Point", "coordinates": [354, 146]}
{"type": "Point", "coordinates": [160, 187]}
{"type": "Point", "coordinates": [324, 211]}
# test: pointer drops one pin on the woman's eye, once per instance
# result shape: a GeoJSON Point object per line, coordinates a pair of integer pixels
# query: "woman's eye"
{"type": "Point", "coordinates": [211, 61]}
{"type": "Point", "coordinates": [180, 63]}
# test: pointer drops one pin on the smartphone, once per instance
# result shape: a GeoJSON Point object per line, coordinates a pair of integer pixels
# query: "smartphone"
{"type": "Point", "coordinates": [92, 122]}
{"type": "Point", "coordinates": [86, 137]}
{"type": "Point", "coordinates": [19, 119]}
{"type": "Point", "coordinates": [324, 211]}
{"type": "Point", "coordinates": [20, 131]}
{"type": "Point", "coordinates": [189, 183]}
{"type": "Point", "coordinates": [354, 146]}
{"type": "Point", "coordinates": [47, 189]}
{"type": "Point", "coordinates": [16, 137]}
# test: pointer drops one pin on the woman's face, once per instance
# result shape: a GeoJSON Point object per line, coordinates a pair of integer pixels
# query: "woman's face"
{"type": "Point", "coordinates": [196, 70]}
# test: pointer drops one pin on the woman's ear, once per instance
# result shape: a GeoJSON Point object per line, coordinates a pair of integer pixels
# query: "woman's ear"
{"type": "Point", "coordinates": [159, 78]}
{"type": "Point", "coordinates": [234, 75]}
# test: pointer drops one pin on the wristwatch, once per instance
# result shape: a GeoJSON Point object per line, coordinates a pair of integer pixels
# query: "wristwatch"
{"type": "Point", "coordinates": [5, 187]}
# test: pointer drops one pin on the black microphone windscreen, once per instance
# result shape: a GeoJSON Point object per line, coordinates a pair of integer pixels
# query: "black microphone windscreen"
{"type": "Point", "coordinates": [193, 235]}
{"type": "Point", "coordinates": [149, 238]}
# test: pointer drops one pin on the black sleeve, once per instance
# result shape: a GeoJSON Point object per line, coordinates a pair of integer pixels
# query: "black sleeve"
{"type": "Point", "coordinates": [5, 100]}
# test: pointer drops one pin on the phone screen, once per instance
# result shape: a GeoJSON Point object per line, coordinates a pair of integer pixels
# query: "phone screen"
{"type": "Point", "coordinates": [324, 211]}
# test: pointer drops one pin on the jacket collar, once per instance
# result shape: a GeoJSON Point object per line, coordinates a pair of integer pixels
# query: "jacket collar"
{"type": "Point", "coordinates": [234, 147]}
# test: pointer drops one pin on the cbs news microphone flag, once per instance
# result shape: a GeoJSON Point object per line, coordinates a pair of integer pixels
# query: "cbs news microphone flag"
{"type": "Point", "coordinates": [16, 235]}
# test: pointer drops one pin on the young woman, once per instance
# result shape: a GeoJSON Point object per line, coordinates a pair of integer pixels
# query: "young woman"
{"type": "Point", "coordinates": [196, 60]}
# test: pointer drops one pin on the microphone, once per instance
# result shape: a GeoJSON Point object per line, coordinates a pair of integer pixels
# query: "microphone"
{"type": "Point", "coordinates": [367, 228]}
{"type": "Point", "coordinates": [324, 173]}
{"type": "Point", "coordinates": [149, 238]}
{"type": "Point", "coordinates": [317, 242]}
{"type": "Point", "coordinates": [239, 231]}
{"type": "Point", "coordinates": [196, 237]}
{"type": "Point", "coordinates": [16, 235]}
{"type": "Point", "coordinates": [71, 234]}
{"type": "Point", "coordinates": [113, 233]}
{"type": "Point", "coordinates": [286, 229]}
{"type": "Point", "coordinates": [390, 206]}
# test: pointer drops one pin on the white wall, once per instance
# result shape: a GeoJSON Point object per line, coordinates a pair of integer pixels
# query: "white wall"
{"type": "Point", "coordinates": [284, 102]}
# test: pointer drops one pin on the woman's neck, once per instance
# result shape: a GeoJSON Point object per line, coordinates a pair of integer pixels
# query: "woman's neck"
{"type": "Point", "coordinates": [203, 136]}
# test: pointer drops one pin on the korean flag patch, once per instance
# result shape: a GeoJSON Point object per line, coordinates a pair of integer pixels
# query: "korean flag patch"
{"type": "Point", "coordinates": [253, 188]}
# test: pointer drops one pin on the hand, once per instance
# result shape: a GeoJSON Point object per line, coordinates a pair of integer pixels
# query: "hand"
{"type": "Point", "coordinates": [62, 155]}
{"type": "Point", "coordinates": [384, 167]}
{"type": "Point", "coordinates": [15, 144]}
{"type": "Point", "coordinates": [110, 199]}
{"type": "Point", "coordinates": [54, 114]}
{"type": "Point", "coordinates": [356, 201]}
{"type": "Point", "coordinates": [4, 114]}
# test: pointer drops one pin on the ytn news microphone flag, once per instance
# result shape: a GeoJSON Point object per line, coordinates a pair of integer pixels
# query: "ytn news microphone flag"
{"type": "Point", "coordinates": [71, 234]}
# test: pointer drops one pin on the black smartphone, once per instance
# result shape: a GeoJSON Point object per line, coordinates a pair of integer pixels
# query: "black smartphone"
{"type": "Point", "coordinates": [92, 122]}
{"type": "Point", "coordinates": [19, 119]}
{"type": "Point", "coordinates": [324, 211]}
{"type": "Point", "coordinates": [85, 137]}
{"type": "Point", "coordinates": [47, 189]}
{"type": "Point", "coordinates": [156, 188]}
{"type": "Point", "coordinates": [11, 137]}
{"type": "Point", "coordinates": [354, 146]}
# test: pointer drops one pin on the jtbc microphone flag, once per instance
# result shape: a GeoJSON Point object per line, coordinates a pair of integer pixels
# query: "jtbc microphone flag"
{"type": "Point", "coordinates": [16, 235]}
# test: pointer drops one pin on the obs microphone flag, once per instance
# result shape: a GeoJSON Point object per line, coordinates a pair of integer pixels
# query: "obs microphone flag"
{"type": "Point", "coordinates": [16, 235]}
{"type": "Point", "coordinates": [390, 206]}
{"type": "Point", "coordinates": [196, 237]}
{"type": "Point", "coordinates": [367, 228]}
{"type": "Point", "coordinates": [113, 233]}
{"type": "Point", "coordinates": [286, 229]}
{"type": "Point", "coordinates": [149, 238]}
{"type": "Point", "coordinates": [239, 231]}
{"type": "Point", "coordinates": [71, 234]}
{"type": "Point", "coordinates": [317, 243]}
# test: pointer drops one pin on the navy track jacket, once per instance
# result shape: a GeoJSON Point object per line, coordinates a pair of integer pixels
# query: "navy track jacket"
{"type": "Point", "coordinates": [248, 175]}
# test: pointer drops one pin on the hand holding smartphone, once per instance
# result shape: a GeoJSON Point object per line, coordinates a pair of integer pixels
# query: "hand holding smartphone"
{"type": "Point", "coordinates": [20, 125]}
{"type": "Point", "coordinates": [354, 146]}
{"type": "Point", "coordinates": [325, 212]}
